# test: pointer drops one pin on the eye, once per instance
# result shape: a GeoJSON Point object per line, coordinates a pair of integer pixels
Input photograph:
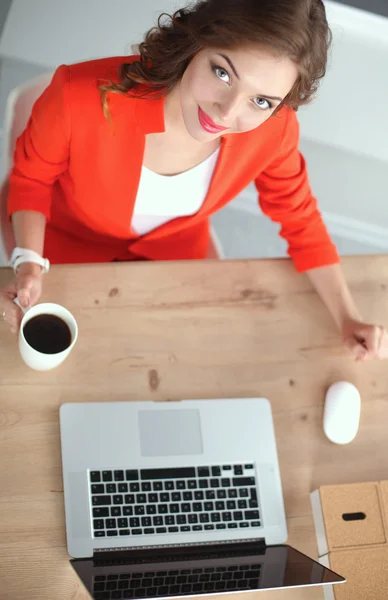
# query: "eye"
{"type": "Point", "coordinates": [263, 103]}
{"type": "Point", "coordinates": [221, 73]}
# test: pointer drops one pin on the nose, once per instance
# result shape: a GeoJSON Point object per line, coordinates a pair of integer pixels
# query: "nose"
{"type": "Point", "coordinates": [227, 111]}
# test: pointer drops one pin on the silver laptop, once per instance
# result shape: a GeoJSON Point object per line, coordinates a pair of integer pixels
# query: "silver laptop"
{"type": "Point", "coordinates": [168, 499]}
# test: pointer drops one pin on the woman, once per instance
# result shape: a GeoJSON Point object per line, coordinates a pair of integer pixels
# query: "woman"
{"type": "Point", "coordinates": [126, 158]}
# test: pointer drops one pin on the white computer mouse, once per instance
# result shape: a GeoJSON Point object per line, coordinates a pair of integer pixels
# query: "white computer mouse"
{"type": "Point", "coordinates": [341, 416]}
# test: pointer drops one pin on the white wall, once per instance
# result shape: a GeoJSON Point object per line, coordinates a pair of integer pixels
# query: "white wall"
{"type": "Point", "coordinates": [52, 32]}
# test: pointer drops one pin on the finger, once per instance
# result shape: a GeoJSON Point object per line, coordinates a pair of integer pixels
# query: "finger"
{"type": "Point", "coordinates": [12, 314]}
{"type": "Point", "coordinates": [383, 343]}
{"type": "Point", "coordinates": [358, 350]}
{"type": "Point", "coordinates": [24, 285]}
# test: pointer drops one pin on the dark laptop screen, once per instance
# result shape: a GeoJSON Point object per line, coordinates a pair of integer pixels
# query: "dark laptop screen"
{"type": "Point", "coordinates": [267, 568]}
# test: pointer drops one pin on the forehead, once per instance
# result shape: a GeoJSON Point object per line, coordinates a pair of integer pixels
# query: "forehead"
{"type": "Point", "coordinates": [258, 66]}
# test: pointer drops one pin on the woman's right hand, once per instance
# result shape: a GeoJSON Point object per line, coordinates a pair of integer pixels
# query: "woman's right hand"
{"type": "Point", "coordinates": [27, 287]}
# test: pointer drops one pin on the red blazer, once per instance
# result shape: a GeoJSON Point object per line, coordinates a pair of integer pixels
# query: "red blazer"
{"type": "Point", "coordinates": [83, 173]}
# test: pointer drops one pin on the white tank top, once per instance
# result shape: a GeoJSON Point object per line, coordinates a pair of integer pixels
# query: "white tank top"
{"type": "Point", "coordinates": [162, 198]}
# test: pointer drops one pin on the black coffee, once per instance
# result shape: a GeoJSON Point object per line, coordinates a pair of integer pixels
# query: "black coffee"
{"type": "Point", "coordinates": [47, 334]}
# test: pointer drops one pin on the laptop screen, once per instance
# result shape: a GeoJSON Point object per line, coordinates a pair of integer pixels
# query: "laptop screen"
{"type": "Point", "coordinates": [270, 567]}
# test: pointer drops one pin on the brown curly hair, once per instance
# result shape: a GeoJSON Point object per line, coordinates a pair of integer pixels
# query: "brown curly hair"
{"type": "Point", "coordinates": [297, 29]}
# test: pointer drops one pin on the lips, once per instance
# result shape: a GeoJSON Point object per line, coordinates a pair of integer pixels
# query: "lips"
{"type": "Point", "coordinates": [207, 123]}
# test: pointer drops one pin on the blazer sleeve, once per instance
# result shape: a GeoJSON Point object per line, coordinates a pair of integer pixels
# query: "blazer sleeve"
{"type": "Point", "coordinates": [42, 151]}
{"type": "Point", "coordinates": [285, 197]}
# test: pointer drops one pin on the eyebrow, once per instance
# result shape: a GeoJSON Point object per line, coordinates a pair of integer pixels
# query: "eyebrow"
{"type": "Point", "coordinates": [225, 57]}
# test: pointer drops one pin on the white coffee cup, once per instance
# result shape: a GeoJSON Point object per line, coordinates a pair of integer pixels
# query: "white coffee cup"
{"type": "Point", "coordinates": [38, 360]}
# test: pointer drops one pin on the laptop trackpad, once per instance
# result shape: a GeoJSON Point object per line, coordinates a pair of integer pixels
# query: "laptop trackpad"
{"type": "Point", "coordinates": [170, 432]}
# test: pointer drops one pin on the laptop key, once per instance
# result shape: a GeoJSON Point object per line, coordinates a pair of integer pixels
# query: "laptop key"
{"type": "Point", "coordinates": [141, 498]}
{"type": "Point", "coordinates": [214, 483]}
{"type": "Point", "coordinates": [107, 476]}
{"type": "Point", "coordinates": [208, 506]}
{"type": "Point", "coordinates": [152, 498]}
{"type": "Point", "coordinates": [119, 475]}
{"type": "Point", "coordinates": [238, 470]}
{"type": "Point", "coordinates": [161, 530]}
{"type": "Point", "coordinates": [101, 500]}
{"type": "Point", "coordinates": [97, 488]}
{"type": "Point", "coordinates": [123, 487]}
{"type": "Point", "coordinates": [185, 507]}
{"type": "Point", "coordinates": [118, 499]}
{"type": "Point", "coordinates": [242, 504]}
{"type": "Point", "coordinates": [216, 471]}
{"type": "Point", "coordinates": [112, 533]}
{"type": "Point", "coordinates": [122, 522]}
{"type": "Point", "coordinates": [243, 493]}
{"type": "Point", "coordinates": [193, 518]}
{"type": "Point", "coordinates": [157, 486]}
{"type": "Point", "coordinates": [124, 532]}
{"type": "Point", "coordinates": [187, 496]}
{"type": "Point", "coordinates": [203, 484]}
{"type": "Point", "coordinates": [181, 485]}
{"type": "Point", "coordinates": [215, 517]}
{"type": "Point", "coordinates": [127, 511]}
{"type": "Point", "coordinates": [146, 521]}
{"type": "Point", "coordinates": [165, 497]}
{"type": "Point", "coordinates": [129, 498]}
{"type": "Point", "coordinates": [220, 505]}
{"type": "Point", "coordinates": [162, 509]}
{"type": "Point", "coordinates": [173, 529]}
{"type": "Point", "coordinates": [151, 509]}
{"type": "Point", "coordinates": [176, 497]}
{"type": "Point", "coordinates": [169, 485]}
{"type": "Point", "coordinates": [203, 471]}
{"type": "Point", "coordinates": [99, 534]}
{"type": "Point", "coordinates": [244, 524]}
{"type": "Point", "coordinates": [111, 488]}
{"type": "Point", "coordinates": [98, 523]}
{"type": "Point", "coordinates": [221, 494]}
{"type": "Point", "coordinates": [253, 504]}
{"type": "Point", "coordinates": [238, 516]}
{"type": "Point", "coordinates": [197, 506]}
{"type": "Point", "coordinates": [210, 495]}
{"type": "Point", "coordinates": [209, 526]}
{"type": "Point", "coordinates": [169, 520]}
{"type": "Point", "coordinates": [173, 473]}
{"type": "Point", "coordinates": [204, 518]}
{"type": "Point", "coordinates": [225, 482]}
{"type": "Point", "coordinates": [181, 519]}
{"type": "Point", "coordinates": [220, 526]}
{"type": "Point", "coordinates": [134, 522]}
{"type": "Point", "coordinates": [136, 531]}
{"type": "Point", "coordinates": [232, 525]}
{"type": "Point", "coordinates": [139, 510]}
{"type": "Point", "coordinates": [100, 512]}
{"type": "Point", "coordinates": [146, 486]}
{"type": "Point", "coordinates": [255, 524]}
{"type": "Point", "coordinates": [232, 493]}
{"type": "Point", "coordinates": [131, 475]}
{"type": "Point", "coordinates": [95, 476]}
{"type": "Point", "coordinates": [149, 530]}
{"type": "Point", "coordinates": [243, 481]}
{"type": "Point", "coordinates": [192, 484]}
{"type": "Point", "coordinates": [110, 523]}
{"type": "Point", "coordinates": [185, 528]}
{"type": "Point", "coordinates": [134, 487]}
{"type": "Point", "coordinates": [252, 514]}
{"type": "Point", "coordinates": [226, 516]}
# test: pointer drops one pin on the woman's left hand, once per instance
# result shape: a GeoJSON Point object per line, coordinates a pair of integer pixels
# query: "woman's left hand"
{"type": "Point", "coordinates": [365, 341]}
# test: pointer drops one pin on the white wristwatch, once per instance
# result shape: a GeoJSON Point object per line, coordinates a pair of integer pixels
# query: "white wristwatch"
{"type": "Point", "coordinates": [22, 255]}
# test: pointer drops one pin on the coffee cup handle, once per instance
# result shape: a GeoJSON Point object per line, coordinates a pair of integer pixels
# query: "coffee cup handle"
{"type": "Point", "coordinates": [22, 308]}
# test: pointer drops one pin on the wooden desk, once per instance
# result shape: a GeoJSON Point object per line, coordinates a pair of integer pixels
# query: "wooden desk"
{"type": "Point", "coordinates": [166, 331]}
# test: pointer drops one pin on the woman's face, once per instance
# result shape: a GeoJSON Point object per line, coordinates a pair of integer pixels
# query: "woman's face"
{"type": "Point", "coordinates": [232, 91]}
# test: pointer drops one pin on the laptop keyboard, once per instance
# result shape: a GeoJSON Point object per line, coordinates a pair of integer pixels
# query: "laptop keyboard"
{"type": "Point", "coordinates": [178, 500]}
{"type": "Point", "coordinates": [177, 583]}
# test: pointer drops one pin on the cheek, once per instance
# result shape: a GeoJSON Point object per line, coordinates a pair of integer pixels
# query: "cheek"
{"type": "Point", "coordinates": [254, 120]}
{"type": "Point", "coordinates": [201, 87]}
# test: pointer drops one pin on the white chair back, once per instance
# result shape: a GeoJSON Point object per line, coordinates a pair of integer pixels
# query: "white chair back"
{"type": "Point", "coordinates": [17, 112]}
